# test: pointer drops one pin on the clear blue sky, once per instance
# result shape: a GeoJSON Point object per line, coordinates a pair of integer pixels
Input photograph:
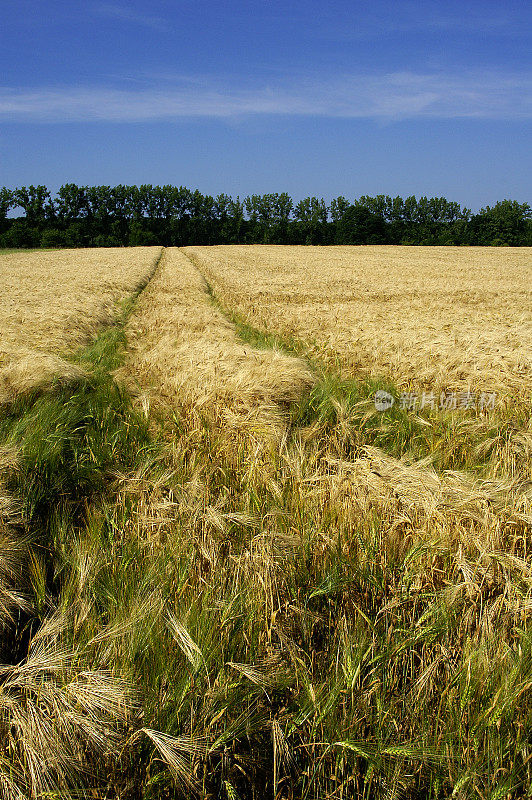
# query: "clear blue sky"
{"type": "Point", "coordinates": [313, 98]}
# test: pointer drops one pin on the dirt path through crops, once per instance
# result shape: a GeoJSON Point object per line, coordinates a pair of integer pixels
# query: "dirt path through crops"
{"type": "Point", "coordinates": [185, 352]}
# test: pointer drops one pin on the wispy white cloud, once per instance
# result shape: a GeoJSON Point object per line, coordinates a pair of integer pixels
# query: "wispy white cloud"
{"type": "Point", "coordinates": [392, 19]}
{"type": "Point", "coordinates": [416, 18]}
{"type": "Point", "coordinates": [128, 14]}
{"type": "Point", "coordinates": [399, 95]}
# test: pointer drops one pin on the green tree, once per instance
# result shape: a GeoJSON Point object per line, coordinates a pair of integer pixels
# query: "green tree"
{"type": "Point", "coordinates": [36, 203]}
{"type": "Point", "coordinates": [312, 215]}
{"type": "Point", "coordinates": [6, 203]}
{"type": "Point", "coordinates": [338, 208]}
{"type": "Point", "coordinates": [71, 203]}
{"type": "Point", "coordinates": [507, 222]}
{"type": "Point", "coordinates": [359, 225]}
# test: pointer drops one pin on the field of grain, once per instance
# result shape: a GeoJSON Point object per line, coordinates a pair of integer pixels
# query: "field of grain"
{"type": "Point", "coordinates": [428, 317]}
{"type": "Point", "coordinates": [223, 572]}
{"type": "Point", "coordinates": [194, 357]}
{"type": "Point", "coordinates": [52, 302]}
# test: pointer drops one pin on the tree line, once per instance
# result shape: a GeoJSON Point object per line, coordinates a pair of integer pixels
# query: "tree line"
{"type": "Point", "coordinates": [114, 216]}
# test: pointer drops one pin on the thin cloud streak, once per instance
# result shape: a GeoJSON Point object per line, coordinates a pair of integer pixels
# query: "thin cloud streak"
{"type": "Point", "coordinates": [402, 95]}
{"type": "Point", "coordinates": [374, 25]}
{"type": "Point", "coordinates": [124, 14]}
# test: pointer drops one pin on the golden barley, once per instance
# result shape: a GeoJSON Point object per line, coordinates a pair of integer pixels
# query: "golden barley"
{"type": "Point", "coordinates": [189, 352]}
{"type": "Point", "coordinates": [439, 317]}
{"type": "Point", "coordinates": [52, 302]}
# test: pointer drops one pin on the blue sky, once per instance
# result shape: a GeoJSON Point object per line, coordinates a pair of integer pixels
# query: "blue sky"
{"type": "Point", "coordinates": [313, 98]}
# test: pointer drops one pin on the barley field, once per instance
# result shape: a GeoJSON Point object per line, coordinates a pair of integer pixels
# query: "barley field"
{"type": "Point", "coordinates": [224, 573]}
{"type": "Point", "coordinates": [195, 356]}
{"type": "Point", "coordinates": [439, 317]}
{"type": "Point", "coordinates": [54, 301]}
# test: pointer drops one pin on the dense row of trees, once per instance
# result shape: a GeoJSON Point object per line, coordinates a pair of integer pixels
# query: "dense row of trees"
{"type": "Point", "coordinates": [89, 216]}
